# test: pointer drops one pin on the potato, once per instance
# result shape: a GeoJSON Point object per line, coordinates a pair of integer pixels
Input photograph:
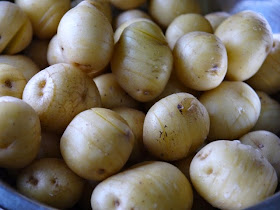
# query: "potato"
{"type": "Point", "coordinates": [135, 120]}
{"type": "Point", "coordinates": [13, 39]}
{"type": "Point", "coordinates": [216, 18]}
{"type": "Point", "coordinates": [44, 15]}
{"type": "Point", "coordinates": [58, 93]}
{"type": "Point", "coordinates": [175, 126]}
{"type": "Point", "coordinates": [112, 95]}
{"type": "Point", "coordinates": [203, 64]}
{"type": "Point", "coordinates": [24, 64]}
{"type": "Point", "coordinates": [142, 61]}
{"type": "Point", "coordinates": [49, 147]}
{"type": "Point", "coordinates": [54, 52]}
{"type": "Point", "coordinates": [97, 143]}
{"type": "Point", "coordinates": [230, 175]}
{"type": "Point", "coordinates": [12, 81]}
{"type": "Point", "coordinates": [269, 145]}
{"type": "Point", "coordinates": [164, 12]}
{"type": "Point", "coordinates": [184, 24]}
{"type": "Point", "coordinates": [85, 37]}
{"type": "Point", "coordinates": [20, 133]}
{"type": "Point", "coordinates": [127, 4]}
{"type": "Point", "coordinates": [268, 76]}
{"type": "Point", "coordinates": [233, 107]}
{"type": "Point", "coordinates": [148, 185]}
{"type": "Point", "coordinates": [269, 115]}
{"type": "Point", "coordinates": [51, 182]}
{"type": "Point", "coordinates": [248, 39]}
{"type": "Point", "coordinates": [37, 51]}
{"type": "Point", "coordinates": [129, 15]}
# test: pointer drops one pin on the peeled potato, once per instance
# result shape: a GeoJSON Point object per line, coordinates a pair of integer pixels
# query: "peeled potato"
{"type": "Point", "coordinates": [148, 185]}
{"type": "Point", "coordinates": [54, 52]}
{"type": "Point", "coordinates": [97, 143]}
{"type": "Point", "coordinates": [248, 39]}
{"type": "Point", "coordinates": [142, 61]}
{"type": "Point", "coordinates": [216, 18]}
{"type": "Point", "coordinates": [175, 126]}
{"type": "Point", "coordinates": [58, 93]}
{"type": "Point", "coordinates": [231, 175]}
{"type": "Point", "coordinates": [233, 107]}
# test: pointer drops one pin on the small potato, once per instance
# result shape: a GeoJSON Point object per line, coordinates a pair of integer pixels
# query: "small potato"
{"type": "Point", "coordinates": [270, 114]}
{"type": "Point", "coordinates": [13, 39]}
{"type": "Point", "coordinates": [112, 95]}
{"type": "Point", "coordinates": [37, 51]}
{"type": "Point", "coordinates": [20, 133]}
{"type": "Point", "coordinates": [135, 120]}
{"type": "Point", "coordinates": [12, 81]}
{"type": "Point", "coordinates": [268, 76]}
{"type": "Point", "coordinates": [24, 64]}
{"type": "Point", "coordinates": [142, 61]}
{"type": "Point", "coordinates": [127, 4]}
{"type": "Point", "coordinates": [50, 147]}
{"type": "Point", "coordinates": [97, 143]}
{"type": "Point", "coordinates": [51, 182]}
{"type": "Point", "coordinates": [54, 52]}
{"type": "Point", "coordinates": [148, 185]}
{"type": "Point", "coordinates": [44, 15]}
{"type": "Point", "coordinates": [184, 24]}
{"type": "Point", "coordinates": [248, 39]}
{"type": "Point", "coordinates": [85, 37]}
{"type": "Point", "coordinates": [129, 15]}
{"type": "Point", "coordinates": [203, 64]}
{"type": "Point", "coordinates": [58, 93]}
{"type": "Point", "coordinates": [269, 145]}
{"type": "Point", "coordinates": [233, 107]}
{"type": "Point", "coordinates": [164, 12]}
{"type": "Point", "coordinates": [175, 126]}
{"type": "Point", "coordinates": [216, 18]}
{"type": "Point", "coordinates": [231, 175]}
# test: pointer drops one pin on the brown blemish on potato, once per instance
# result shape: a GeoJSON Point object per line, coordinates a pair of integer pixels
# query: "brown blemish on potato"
{"type": "Point", "coordinates": [42, 84]}
{"type": "Point", "coordinates": [101, 171]}
{"type": "Point", "coordinates": [8, 83]}
{"type": "Point", "coordinates": [32, 180]}
{"type": "Point", "coordinates": [116, 202]}
{"type": "Point", "coordinates": [54, 181]}
{"type": "Point", "coordinates": [203, 156]}
{"type": "Point", "coordinates": [180, 107]}
{"type": "Point", "coordinates": [209, 171]}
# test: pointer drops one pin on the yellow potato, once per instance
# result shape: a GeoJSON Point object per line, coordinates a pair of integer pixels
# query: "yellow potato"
{"type": "Point", "coordinates": [165, 11]}
{"type": "Point", "coordinates": [216, 18]}
{"type": "Point", "coordinates": [142, 61]}
{"type": "Point", "coordinates": [20, 133]}
{"type": "Point", "coordinates": [269, 115]}
{"type": "Point", "coordinates": [24, 64]}
{"type": "Point", "coordinates": [12, 81]}
{"type": "Point", "coordinates": [51, 182]}
{"type": "Point", "coordinates": [233, 107]}
{"type": "Point", "coordinates": [44, 15]}
{"type": "Point", "coordinates": [112, 95]}
{"type": "Point", "coordinates": [129, 15]}
{"type": "Point", "coordinates": [184, 24]}
{"type": "Point", "coordinates": [148, 185]}
{"type": "Point", "coordinates": [13, 39]}
{"type": "Point", "coordinates": [97, 143]}
{"type": "Point", "coordinates": [58, 93]}
{"type": "Point", "coordinates": [175, 126]}
{"type": "Point", "coordinates": [203, 64]}
{"type": "Point", "coordinates": [269, 145]}
{"type": "Point", "coordinates": [268, 76]}
{"type": "Point", "coordinates": [85, 37]}
{"type": "Point", "coordinates": [127, 4]}
{"type": "Point", "coordinates": [248, 39]}
{"type": "Point", "coordinates": [135, 120]}
{"type": "Point", "coordinates": [231, 175]}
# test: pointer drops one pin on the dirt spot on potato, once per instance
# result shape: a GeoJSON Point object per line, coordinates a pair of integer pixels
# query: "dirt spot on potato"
{"type": "Point", "coordinates": [101, 171]}
{"type": "Point", "coordinates": [180, 107]}
{"type": "Point", "coordinates": [8, 84]}
{"type": "Point", "coordinates": [32, 180]}
{"type": "Point", "coordinates": [209, 171]}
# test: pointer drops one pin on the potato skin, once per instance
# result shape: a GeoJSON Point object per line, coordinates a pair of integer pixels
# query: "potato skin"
{"type": "Point", "coordinates": [175, 126]}
{"type": "Point", "coordinates": [97, 143]}
{"type": "Point", "coordinates": [51, 182]}
{"type": "Point", "coordinates": [142, 61]}
{"type": "Point", "coordinates": [230, 175]}
{"type": "Point", "coordinates": [148, 185]}
{"type": "Point", "coordinates": [20, 133]}
{"type": "Point", "coordinates": [248, 39]}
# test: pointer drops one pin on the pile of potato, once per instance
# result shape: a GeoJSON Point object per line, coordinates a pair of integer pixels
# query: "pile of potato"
{"type": "Point", "coordinates": [154, 108]}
